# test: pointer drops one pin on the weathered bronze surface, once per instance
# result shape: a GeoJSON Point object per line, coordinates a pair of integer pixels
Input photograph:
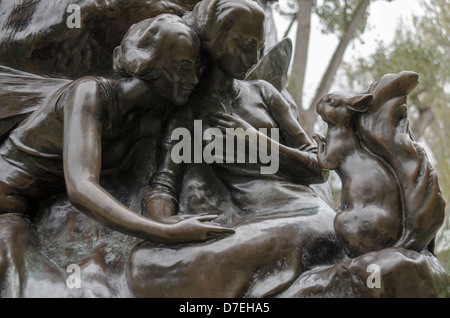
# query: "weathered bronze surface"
{"type": "Point", "coordinates": [370, 216]}
{"type": "Point", "coordinates": [88, 176]}
{"type": "Point", "coordinates": [368, 139]}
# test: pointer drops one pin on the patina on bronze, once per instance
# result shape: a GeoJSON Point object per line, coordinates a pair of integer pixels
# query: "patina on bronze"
{"type": "Point", "coordinates": [109, 140]}
{"type": "Point", "coordinates": [390, 195]}
{"type": "Point", "coordinates": [283, 204]}
{"type": "Point", "coordinates": [232, 35]}
{"type": "Point", "coordinates": [370, 216]}
{"type": "Point", "coordinates": [92, 123]}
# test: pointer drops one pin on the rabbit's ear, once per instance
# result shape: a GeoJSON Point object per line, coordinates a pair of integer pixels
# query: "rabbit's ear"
{"type": "Point", "coordinates": [360, 103]}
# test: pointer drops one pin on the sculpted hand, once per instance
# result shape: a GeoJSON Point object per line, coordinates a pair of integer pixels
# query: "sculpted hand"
{"type": "Point", "coordinates": [177, 229]}
{"type": "Point", "coordinates": [322, 157]}
{"type": "Point", "coordinates": [223, 121]}
{"type": "Point", "coordinates": [192, 229]}
{"type": "Point", "coordinates": [320, 140]}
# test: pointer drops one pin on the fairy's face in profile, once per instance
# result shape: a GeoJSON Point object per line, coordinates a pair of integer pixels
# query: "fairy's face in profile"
{"type": "Point", "coordinates": [178, 74]}
{"type": "Point", "coordinates": [242, 44]}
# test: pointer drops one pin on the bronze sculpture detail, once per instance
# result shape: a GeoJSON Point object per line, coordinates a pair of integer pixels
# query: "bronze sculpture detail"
{"type": "Point", "coordinates": [104, 146]}
{"type": "Point", "coordinates": [370, 216]}
{"type": "Point", "coordinates": [83, 118]}
{"type": "Point", "coordinates": [369, 133]}
{"type": "Point", "coordinates": [423, 205]}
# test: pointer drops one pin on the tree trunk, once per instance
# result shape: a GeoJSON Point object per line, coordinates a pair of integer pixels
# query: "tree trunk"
{"type": "Point", "coordinates": [309, 117]}
{"type": "Point", "coordinates": [426, 117]}
{"type": "Point", "coordinates": [297, 78]}
{"type": "Point", "coordinates": [293, 20]}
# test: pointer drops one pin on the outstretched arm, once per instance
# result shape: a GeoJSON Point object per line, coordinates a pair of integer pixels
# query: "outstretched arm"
{"type": "Point", "coordinates": [83, 121]}
{"type": "Point", "coordinates": [301, 166]}
{"type": "Point", "coordinates": [298, 154]}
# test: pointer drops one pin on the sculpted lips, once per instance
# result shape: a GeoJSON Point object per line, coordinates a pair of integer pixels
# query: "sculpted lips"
{"type": "Point", "coordinates": [187, 89]}
{"type": "Point", "coordinates": [247, 67]}
{"type": "Point", "coordinates": [244, 69]}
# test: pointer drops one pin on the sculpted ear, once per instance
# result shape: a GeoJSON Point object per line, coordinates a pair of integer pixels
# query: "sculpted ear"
{"type": "Point", "coordinates": [360, 103]}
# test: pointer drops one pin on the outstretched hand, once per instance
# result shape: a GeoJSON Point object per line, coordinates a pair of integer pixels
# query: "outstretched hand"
{"type": "Point", "coordinates": [191, 228]}
{"type": "Point", "coordinates": [181, 228]}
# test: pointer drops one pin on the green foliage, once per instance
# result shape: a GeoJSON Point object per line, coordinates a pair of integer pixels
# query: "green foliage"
{"type": "Point", "coordinates": [335, 15]}
{"type": "Point", "coordinates": [287, 8]}
{"type": "Point", "coordinates": [423, 49]}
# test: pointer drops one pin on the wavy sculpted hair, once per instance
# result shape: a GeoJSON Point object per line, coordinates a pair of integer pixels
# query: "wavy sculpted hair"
{"type": "Point", "coordinates": [213, 19]}
{"type": "Point", "coordinates": [142, 50]}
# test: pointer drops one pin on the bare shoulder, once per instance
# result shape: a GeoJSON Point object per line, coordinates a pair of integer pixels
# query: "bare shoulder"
{"type": "Point", "coordinates": [88, 83]}
{"type": "Point", "coordinates": [260, 86]}
{"type": "Point", "coordinates": [273, 99]}
{"type": "Point", "coordinates": [87, 94]}
{"type": "Point", "coordinates": [264, 89]}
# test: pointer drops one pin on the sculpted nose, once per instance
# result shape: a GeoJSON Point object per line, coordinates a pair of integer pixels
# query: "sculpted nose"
{"type": "Point", "coordinates": [192, 79]}
{"type": "Point", "coordinates": [195, 78]}
{"type": "Point", "coordinates": [254, 57]}
{"type": "Point", "coordinates": [251, 58]}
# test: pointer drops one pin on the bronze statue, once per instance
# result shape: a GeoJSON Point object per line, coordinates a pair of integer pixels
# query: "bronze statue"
{"type": "Point", "coordinates": [35, 37]}
{"type": "Point", "coordinates": [232, 35]}
{"type": "Point", "coordinates": [384, 129]}
{"type": "Point", "coordinates": [282, 203]}
{"type": "Point", "coordinates": [215, 70]}
{"type": "Point", "coordinates": [382, 169]}
{"type": "Point", "coordinates": [90, 124]}
{"type": "Point", "coordinates": [370, 215]}
{"type": "Point", "coordinates": [391, 202]}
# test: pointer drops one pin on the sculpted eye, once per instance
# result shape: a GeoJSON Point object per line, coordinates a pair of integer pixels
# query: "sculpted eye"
{"type": "Point", "coordinates": [183, 65]}
{"type": "Point", "coordinates": [331, 101]}
{"type": "Point", "coordinates": [262, 47]}
{"type": "Point", "coordinates": [247, 44]}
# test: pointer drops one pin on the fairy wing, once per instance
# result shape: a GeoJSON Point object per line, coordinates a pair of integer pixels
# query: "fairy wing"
{"type": "Point", "coordinates": [274, 65]}
{"type": "Point", "coordinates": [273, 68]}
{"type": "Point", "coordinates": [21, 93]}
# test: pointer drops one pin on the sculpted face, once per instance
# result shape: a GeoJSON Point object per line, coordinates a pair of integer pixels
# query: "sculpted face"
{"type": "Point", "coordinates": [340, 110]}
{"type": "Point", "coordinates": [242, 44]}
{"type": "Point", "coordinates": [178, 69]}
{"type": "Point", "coordinates": [164, 52]}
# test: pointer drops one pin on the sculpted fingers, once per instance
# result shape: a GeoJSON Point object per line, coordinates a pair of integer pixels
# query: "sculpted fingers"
{"type": "Point", "coordinates": [193, 229]}
{"type": "Point", "coordinates": [221, 123]}
{"type": "Point", "coordinates": [213, 227]}
{"type": "Point", "coordinates": [206, 217]}
{"type": "Point", "coordinates": [229, 121]}
{"type": "Point", "coordinates": [318, 138]}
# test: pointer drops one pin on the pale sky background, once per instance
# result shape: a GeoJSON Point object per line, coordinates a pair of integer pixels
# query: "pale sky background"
{"type": "Point", "coordinates": [383, 20]}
